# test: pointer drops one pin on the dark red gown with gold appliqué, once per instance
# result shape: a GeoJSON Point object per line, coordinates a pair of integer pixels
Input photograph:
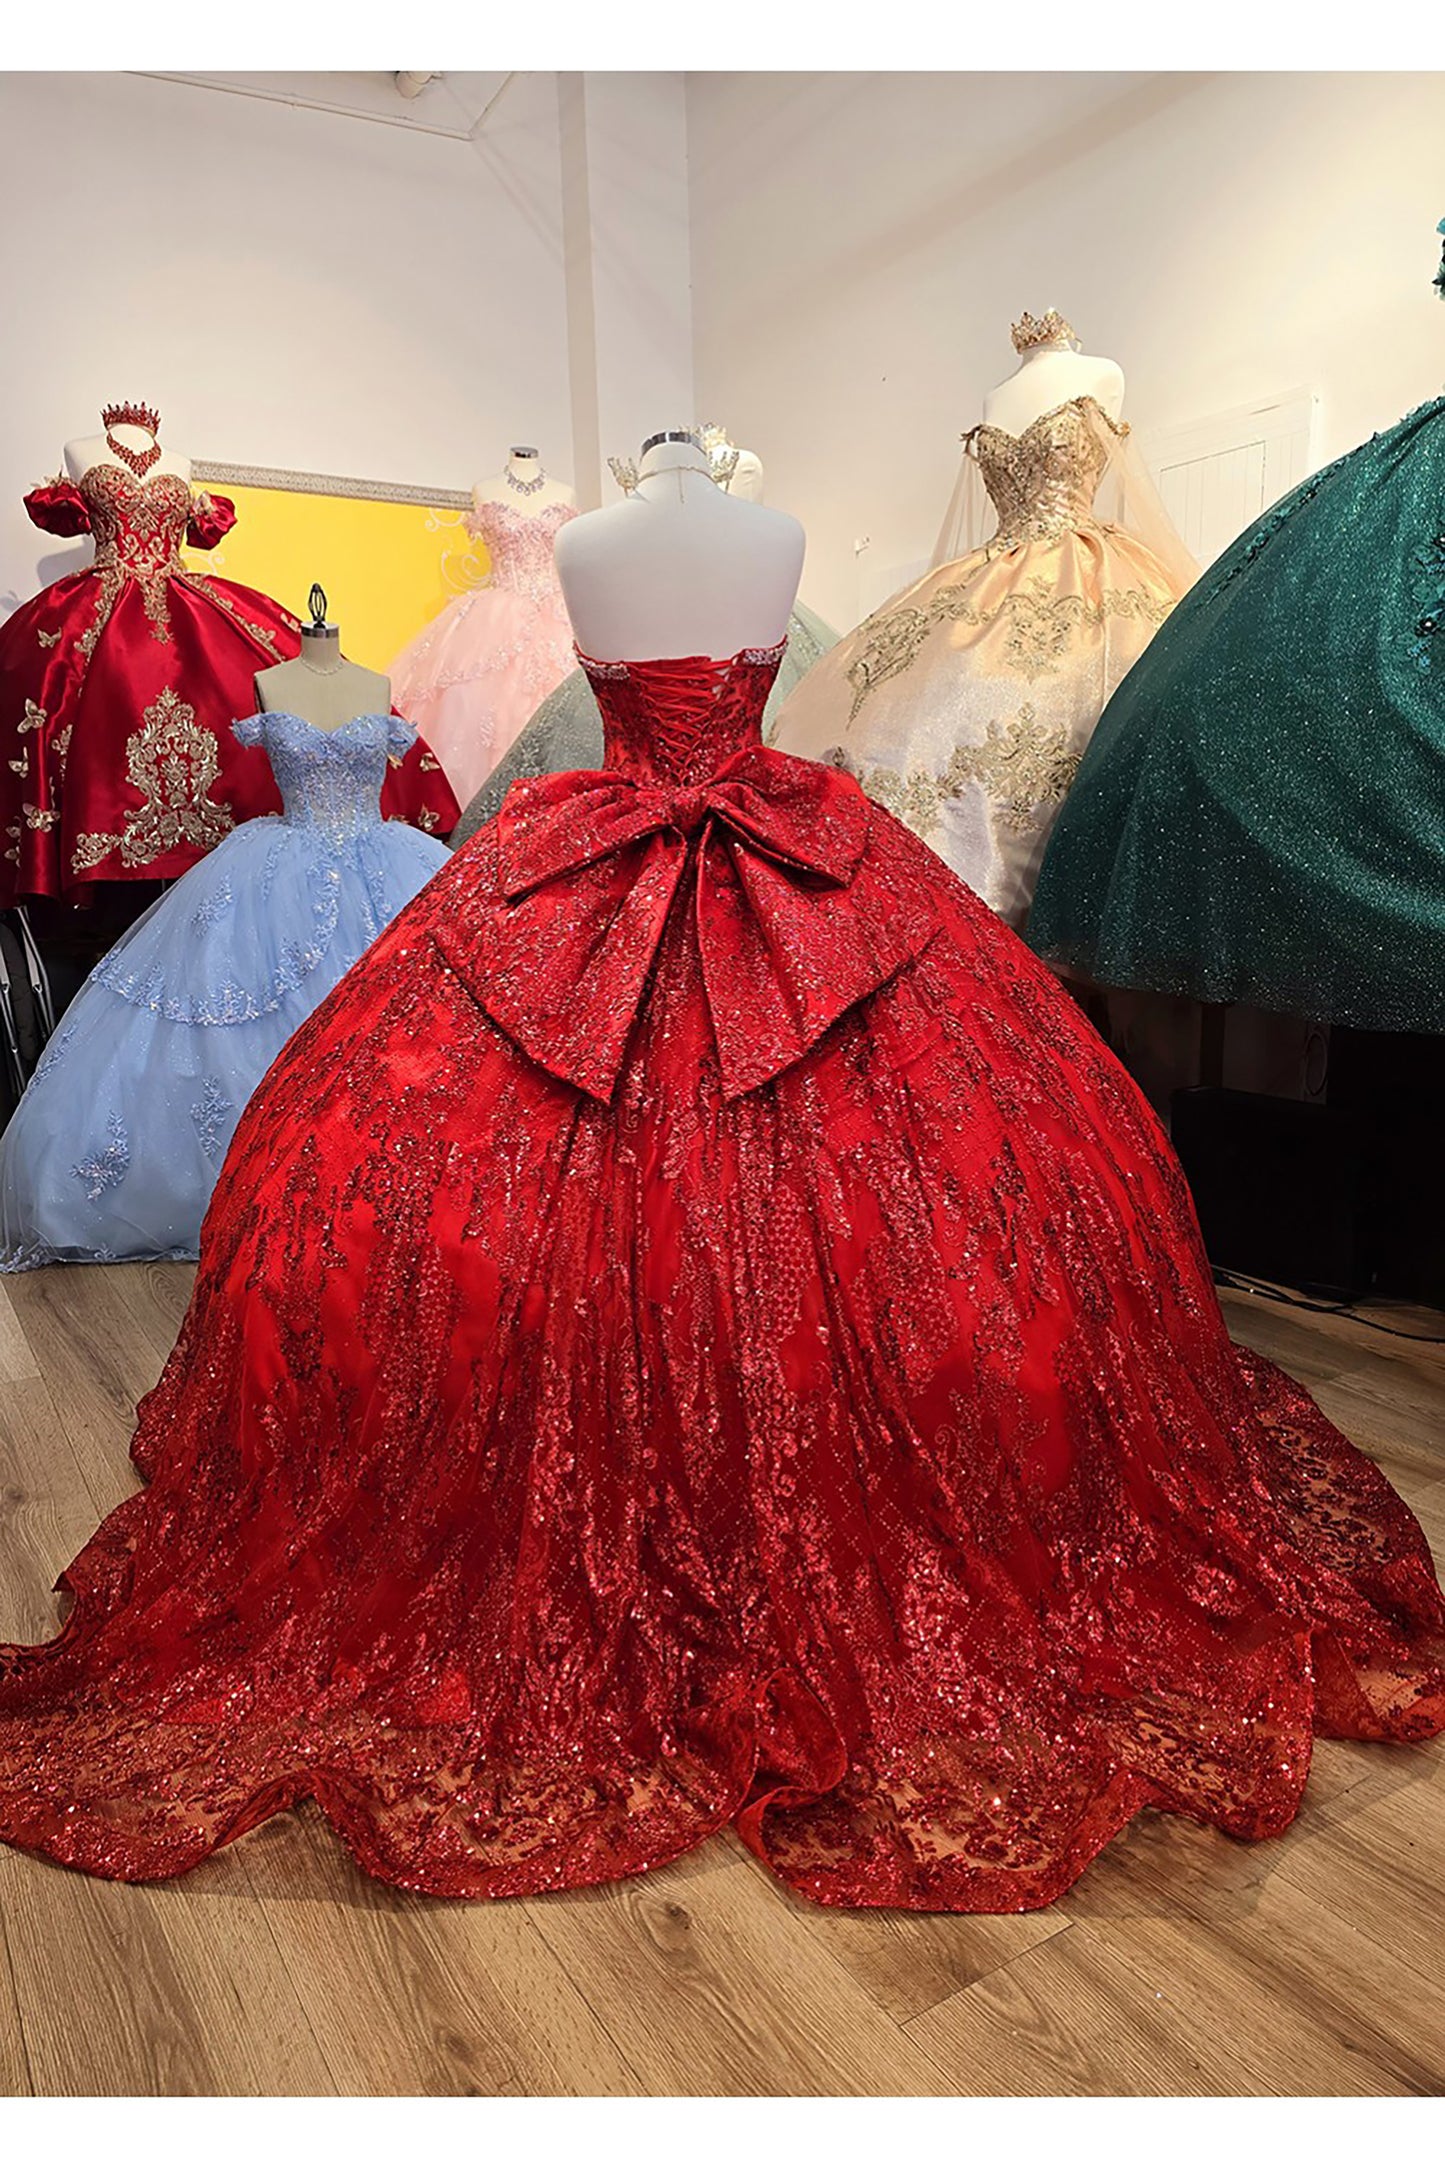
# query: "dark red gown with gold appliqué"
{"type": "Point", "coordinates": [118, 688]}
{"type": "Point", "coordinates": [697, 1329]}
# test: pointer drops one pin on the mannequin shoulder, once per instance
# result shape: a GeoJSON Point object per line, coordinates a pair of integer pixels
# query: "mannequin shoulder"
{"type": "Point", "coordinates": [82, 453]}
{"type": "Point", "coordinates": [1107, 385]}
{"type": "Point", "coordinates": [369, 687]}
{"type": "Point", "coordinates": [271, 684]}
{"type": "Point", "coordinates": [768, 530]}
{"type": "Point", "coordinates": [583, 537]}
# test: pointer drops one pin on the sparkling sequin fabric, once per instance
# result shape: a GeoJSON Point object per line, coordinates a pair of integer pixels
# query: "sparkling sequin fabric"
{"type": "Point", "coordinates": [473, 676]}
{"type": "Point", "coordinates": [697, 1329]}
{"type": "Point", "coordinates": [965, 703]}
{"type": "Point", "coordinates": [1261, 814]}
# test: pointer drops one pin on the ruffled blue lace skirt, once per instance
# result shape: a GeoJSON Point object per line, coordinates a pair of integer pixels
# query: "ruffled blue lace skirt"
{"type": "Point", "coordinates": [116, 1145]}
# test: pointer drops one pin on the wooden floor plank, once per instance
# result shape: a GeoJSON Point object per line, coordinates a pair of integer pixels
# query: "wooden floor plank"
{"type": "Point", "coordinates": [726, 1987]}
{"type": "Point", "coordinates": [96, 1364]}
{"type": "Point", "coordinates": [17, 1358]}
{"type": "Point", "coordinates": [439, 1999]}
{"type": "Point", "coordinates": [14, 2062]}
{"type": "Point", "coordinates": [46, 1509]}
{"type": "Point", "coordinates": [1301, 1999]}
{"type": "Point", "coordinates": [908, 1961]}
{"type": "Point", "coordinates": [1068, 2018]}
{"type": "Point", "coordinates": [153, 1990]}
{"type": "Point", "coordinates": [155, 1297]}
{"type": "Point", "coordinates": [1381, 1870]}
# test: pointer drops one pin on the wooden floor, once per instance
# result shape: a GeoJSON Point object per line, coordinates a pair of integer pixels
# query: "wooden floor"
{"type": "Point", "coordinates": [1181, 1963]}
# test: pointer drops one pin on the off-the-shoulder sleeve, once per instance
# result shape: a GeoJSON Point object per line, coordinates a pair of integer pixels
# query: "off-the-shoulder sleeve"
{"type": "Point", "coordinates": [400, 737]}
{"type": "Point", "coordinates": [211, 519]}
{"type": "Point", "coordinates": [250, 730]}
{"type": "Point", "coordinates": [58, 507]}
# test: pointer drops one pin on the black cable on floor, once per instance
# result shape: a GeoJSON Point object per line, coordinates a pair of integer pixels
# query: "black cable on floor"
{"type": "Point", "coordinates": [1292, 1300]}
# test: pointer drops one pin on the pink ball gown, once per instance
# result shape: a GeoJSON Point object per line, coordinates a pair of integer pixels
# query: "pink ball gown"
{"type": "Point", "coordinates": [473, 677]}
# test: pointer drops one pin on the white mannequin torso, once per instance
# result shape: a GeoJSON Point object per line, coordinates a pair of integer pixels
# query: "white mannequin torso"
{"type": "Point", "coordinates": [321, 686]}
{"type": "Point", "coordinates": [746, 480]}
{"type": "Point", "coordinates": [1047, 378]}
{"type": "Point", "coordinates": [679, 568]}
{"type": "Point", "coordinates": [83, 453]}
{"type": "Point", "coordinates": [523, 467]}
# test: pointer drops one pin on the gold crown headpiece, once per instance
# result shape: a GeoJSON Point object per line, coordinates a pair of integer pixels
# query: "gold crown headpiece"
{"type": "Point", "coordinates": [722, 453]}
{"type": "Point", "coordinates": [137, 417]}
{"type": "Point", "coordinates": [1046, 330]}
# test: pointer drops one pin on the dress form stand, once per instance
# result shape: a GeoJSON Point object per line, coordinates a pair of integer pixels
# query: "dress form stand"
{"type": "Point", "coordinates": [1051, 372]}
{"type": "Point", "coordinates": [320, 685]}
{"type": "Point", "coordinates": [679, 567]}
{"type": "Point", "coordinates": [523, 485]}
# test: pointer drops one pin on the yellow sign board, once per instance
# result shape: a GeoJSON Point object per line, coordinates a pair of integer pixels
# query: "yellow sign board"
{"type": "Point", "coordinates": [388, 556]}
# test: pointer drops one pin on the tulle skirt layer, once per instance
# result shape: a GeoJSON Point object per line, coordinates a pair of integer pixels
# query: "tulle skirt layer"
{"type": "Point", "coordinates": [116, 1145]}
{"type": "Point", "coordinates": [540, 1485]}
{"type": "Point", "coordinates": [473, 676]}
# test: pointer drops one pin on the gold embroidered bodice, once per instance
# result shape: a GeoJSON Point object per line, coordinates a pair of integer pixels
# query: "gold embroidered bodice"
{"type": "Point", "coordinates": [138, 526]}
{"type": "Point", "coordinates": [1046, 477]}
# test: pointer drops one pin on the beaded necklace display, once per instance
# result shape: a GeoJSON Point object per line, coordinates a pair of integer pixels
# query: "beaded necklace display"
{"type": "Point", "coordinates": [134, 417]}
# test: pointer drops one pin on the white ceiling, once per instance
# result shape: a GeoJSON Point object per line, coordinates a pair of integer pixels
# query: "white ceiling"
{"type": "Point", "coordinates": [453, 104]}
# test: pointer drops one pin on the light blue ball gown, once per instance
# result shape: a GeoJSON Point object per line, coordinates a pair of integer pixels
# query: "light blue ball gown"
{"type": "Point", "coordinates": [116, 1144]}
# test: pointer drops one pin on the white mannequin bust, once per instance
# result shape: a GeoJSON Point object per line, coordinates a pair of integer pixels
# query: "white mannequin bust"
{"type": "Point", "coordinates": [140, 437]}
{"type": "Point", "coordinates": [320, 685]}
{"type": "Point", "coordinates": [746, 480]}
{"type": "Point", "coordinates": [523, 484]}
{"type": "Point", "coordinates": [680, 567]}
{"type": "Point", "coordinates": [1051, 371]}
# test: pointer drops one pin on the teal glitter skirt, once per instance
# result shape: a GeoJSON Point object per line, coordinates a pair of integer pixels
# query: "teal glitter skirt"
{"type": "Point", "coordinates": [1260, 815]}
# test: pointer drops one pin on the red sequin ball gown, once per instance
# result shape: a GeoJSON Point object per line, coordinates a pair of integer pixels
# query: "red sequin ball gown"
{"type": "Point", "coordinates": [697, 1329]}
{"type": "Point", "coordinates": [118, 688]}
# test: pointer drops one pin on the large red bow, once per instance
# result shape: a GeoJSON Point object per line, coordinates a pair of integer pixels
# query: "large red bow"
{"type": "Point", "coordinates": [792, 925]}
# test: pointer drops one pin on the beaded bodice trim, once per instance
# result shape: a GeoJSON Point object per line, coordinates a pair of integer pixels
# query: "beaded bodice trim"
{"type": "Point", "coordinates": [330, 780]}
{"type": "Point", "coordinates": [519, 544]}
{"type": "Point", "coordinates": [1045, 478]}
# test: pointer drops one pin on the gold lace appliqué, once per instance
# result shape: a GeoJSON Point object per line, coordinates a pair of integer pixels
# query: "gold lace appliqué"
{"type": "Point", "coordinates": [1039, 621]}
{"type": "Point", "coordinates": [172, 761]}
{"type": "Point", "coordinates": [1023, 765]}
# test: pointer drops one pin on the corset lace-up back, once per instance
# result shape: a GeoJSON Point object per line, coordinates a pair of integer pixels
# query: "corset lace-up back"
{"type": "Point", "coordinates": [679, 719]}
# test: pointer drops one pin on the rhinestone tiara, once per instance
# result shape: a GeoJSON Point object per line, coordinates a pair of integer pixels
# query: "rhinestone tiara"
{"type": "Point", "coordinates": [137, 417]}
{"type": "Point", "coordinates": [1045, 330]}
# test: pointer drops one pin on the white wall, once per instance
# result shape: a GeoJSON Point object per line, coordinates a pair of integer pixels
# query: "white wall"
{"type": "Point", "coordinates": [624, 156]}
{"type": "Point", "coordinates": [303, 289]}
{"type": "Point", "coordinates": [861, 244]}
{"type": "Point", "coordinates": [308, 290]}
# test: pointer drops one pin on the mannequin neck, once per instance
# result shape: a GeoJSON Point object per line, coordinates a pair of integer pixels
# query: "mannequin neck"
{"type": "Point", "coordinates": [321, 649]}
{"type": "Point", "coordinates": [522, 465]}
{"type": "Point", "coordinates": [1054, 348]}
{"type": "Point", "coordinates": [684, 459]}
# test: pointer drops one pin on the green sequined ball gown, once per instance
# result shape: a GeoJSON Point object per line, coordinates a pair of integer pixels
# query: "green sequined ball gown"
{"type": "Point", "coordinates": [1260, 815]}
